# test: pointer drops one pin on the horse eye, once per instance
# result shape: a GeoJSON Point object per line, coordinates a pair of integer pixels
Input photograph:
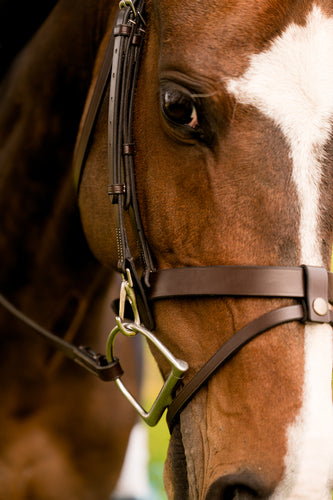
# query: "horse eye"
{"type": "Point", "coordinates": [179, 108]}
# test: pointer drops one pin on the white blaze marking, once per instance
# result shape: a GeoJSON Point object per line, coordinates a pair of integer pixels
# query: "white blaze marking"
{"type": "Point", "coordinates": [292, 84]}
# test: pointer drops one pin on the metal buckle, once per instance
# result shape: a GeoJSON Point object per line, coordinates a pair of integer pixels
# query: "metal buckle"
{"type": "Point", "coordinates": [129, 328]}
{"type": "Point", "coordinates": [129, 3]}
{"type": "Point", "coordinates": [127, 293]}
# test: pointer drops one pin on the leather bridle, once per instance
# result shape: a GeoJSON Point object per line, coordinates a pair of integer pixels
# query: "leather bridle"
{"type": "Point", "coordinates": [311, 287]}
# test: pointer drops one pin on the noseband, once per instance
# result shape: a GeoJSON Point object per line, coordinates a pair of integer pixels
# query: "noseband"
{"type": "Point", "coordinates": [311, 287]}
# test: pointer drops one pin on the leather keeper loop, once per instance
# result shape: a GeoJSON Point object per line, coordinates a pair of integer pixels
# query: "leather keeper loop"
{"type": "Point", "coordinates": [116, 189]}
{"type": "Point", "coordinates": [316, 294]}
{"type": "Point", "coordinates": [136, 39]}
{"type": "Point", "coordinates": [128, 149]}
{"type": "Point", "coordinates": [122, 30]}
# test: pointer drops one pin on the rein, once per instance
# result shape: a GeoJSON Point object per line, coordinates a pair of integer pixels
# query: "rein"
{"type": "Point", "coordinates": [311, 287]}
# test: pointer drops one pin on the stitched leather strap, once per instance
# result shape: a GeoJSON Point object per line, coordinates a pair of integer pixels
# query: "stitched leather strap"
{"type": "Point", "coordinates": [249, 281]}
{"type": "Point", "coordinates": [129, 35]}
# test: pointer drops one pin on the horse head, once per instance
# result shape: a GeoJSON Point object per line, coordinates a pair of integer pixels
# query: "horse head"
{"type": "Point", "coordinates": [233, 134]}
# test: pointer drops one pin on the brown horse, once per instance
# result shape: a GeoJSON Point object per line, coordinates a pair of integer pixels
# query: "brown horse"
{"type": "Point", "coordinates": [233, 133]}
{"type": "Point", "coordinates": [233, 116]}
{"type": "Point", "coordinates": [63, 432]}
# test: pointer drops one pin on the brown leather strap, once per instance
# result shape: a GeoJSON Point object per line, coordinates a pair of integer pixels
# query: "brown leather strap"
{"type": "Point", "coordinates": [249, 281]}
{"type": "Point", "coordinates": [122, 188]}
{"type": "Point", "coordinates": [227, 351]}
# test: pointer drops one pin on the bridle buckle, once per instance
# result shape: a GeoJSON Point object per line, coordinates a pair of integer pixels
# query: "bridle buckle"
{"type": "Point", "coordinates": [127, 294]}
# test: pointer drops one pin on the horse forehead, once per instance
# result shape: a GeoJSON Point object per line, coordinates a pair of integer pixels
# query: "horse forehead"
{"type": "Point", "coordinates": [296, 69]}
{"type": "Point", "coordinates": [223, 34]}
{"type": "Point", "coordinates": [250, 14]}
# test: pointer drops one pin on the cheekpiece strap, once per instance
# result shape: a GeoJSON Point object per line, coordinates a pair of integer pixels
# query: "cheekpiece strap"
{"type": "Point", "coordinates": [128, 37]}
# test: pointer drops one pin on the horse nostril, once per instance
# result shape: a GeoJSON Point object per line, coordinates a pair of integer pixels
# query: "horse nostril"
{"type": "Point", "coordinates": [244, 486]}
{"type": "Point", "coordinates": [239, 493]}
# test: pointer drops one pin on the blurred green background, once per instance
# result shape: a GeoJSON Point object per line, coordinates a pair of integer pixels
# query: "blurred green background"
{"type": "Point", "coordinates": [158, 436]}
